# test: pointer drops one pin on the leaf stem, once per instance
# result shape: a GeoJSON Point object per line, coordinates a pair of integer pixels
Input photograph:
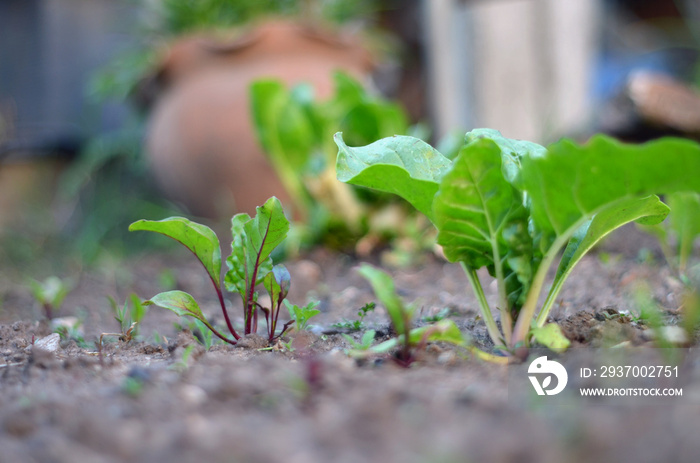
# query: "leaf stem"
{"type": "Point", "coordinates": [220, 294]}
{"type": "Point", "coordinates": [527, 312]}
{"type": "Point", "coordinates": [219, 335]}
{"type": "Point", "coordinates": [250, 309]}
{"type": "Point", "coordinates": [491, 326]}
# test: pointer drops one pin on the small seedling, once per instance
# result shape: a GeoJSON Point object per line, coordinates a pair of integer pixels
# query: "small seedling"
{"type": "Point", "coordinates": [128, 317]}
{"type": "Point", "coordinates": [250, 265]}
{"type": "Point", "coordinates": [302, 315]}
{"type": "Point", "coordinates": [364, 344]}
{"type": "Point", "coordinates": [181, 365]}
{"type": "Point", "coordinates": [71, 331]}
{"type": "Point", "coordinates": [410, 340]}
{"type": "Point", "coordinates": [440, 315]}
{"type": "Point", "coordinates": [678, 234]}
{"type": "Point", "coordinates": [514, 207]}
{"type": "Point", "coordinates": [124, 337]}
{"type": "Point", "coordinates": [50, 294]}
{"type": "Point", "coordinates": [199, 331]}
{"type": "Point", "coordinates": [357, 325]}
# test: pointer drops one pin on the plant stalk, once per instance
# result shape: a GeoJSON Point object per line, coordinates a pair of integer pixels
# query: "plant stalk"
{"type": "Point", "coordinates": [220, 294]}
{"type": "Point", "coordinates": [486, 314]}
{"type": "Point", "coordinates": [527, 312]}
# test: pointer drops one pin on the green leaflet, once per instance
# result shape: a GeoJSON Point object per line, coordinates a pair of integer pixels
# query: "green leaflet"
{"type": "Point", "coordinates": [181, 303]}
{"type": "Point", "coordinates": [512, 150]}
{"type": "Point", "coordinates": [574, 181]}
{"type": "Point", "coordinates": [199, 239]}
{"type": "Point", "coordinates": [302, 315]}
{"type": "Point", "coordinates": [383, 287]}
{"type": "Point", "coordinates": [253, 242]}
{"type": "Point", "coordinates": [277, 284]}
{"type": "Point", "coordinates": [551, 337]}
{"type": "Point", "coordinates": [442, 331]}
{"type": "Point", "coordinates": [402, 165]}
{"type": "Point", "coordinates": [481, 219]}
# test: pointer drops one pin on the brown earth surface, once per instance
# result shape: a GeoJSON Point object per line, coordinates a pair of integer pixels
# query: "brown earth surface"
{"type": "Point", "coordinates": [148, 401]}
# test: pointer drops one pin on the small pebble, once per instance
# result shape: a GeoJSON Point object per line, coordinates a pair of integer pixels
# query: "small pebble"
{"type": "Point", "coordinates": [50, 343]}
{"type": "Point", "coordinates": [192, 395]}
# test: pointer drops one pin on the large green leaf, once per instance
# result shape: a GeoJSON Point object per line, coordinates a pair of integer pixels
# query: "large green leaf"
{"type": "Point", "coordinates": [481, 219]}
{"type": "Point", "coordinates": [402, 165]}
{"type": "Point", "coordinates": [198, 238]}
{"type": "Point", "coordinates": [573, 182]}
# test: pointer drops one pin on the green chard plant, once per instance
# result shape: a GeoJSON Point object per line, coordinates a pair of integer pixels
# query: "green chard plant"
{"type": "Point", "coordinates": [250, 265]}
{"type": "Point", "coordinates": [513, 207]}
{"type": "Point", "coordinates": [294, 129]}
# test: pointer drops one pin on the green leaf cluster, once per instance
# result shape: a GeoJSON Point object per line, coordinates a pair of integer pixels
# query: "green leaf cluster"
{"type": "Point", "coordinates": [295, 130]}
{"type": "Point", "coordinates": [513, 206]}
{"type": "Point", "coordinates": [302, 315]}
{"type": "Point", "coordinates": [249, 265]}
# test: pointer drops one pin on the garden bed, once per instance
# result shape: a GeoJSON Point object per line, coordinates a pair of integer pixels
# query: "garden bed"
{"type": "Point", "coordinates": [159, 401]}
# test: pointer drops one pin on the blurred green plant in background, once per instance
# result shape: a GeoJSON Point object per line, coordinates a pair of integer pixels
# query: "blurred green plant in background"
{"type": "Point", "coordinates": [678, 234]}
{"type": "Point", "coordinates": [295, 131]}
{"type": "Point", "coordinates": [109, 185]}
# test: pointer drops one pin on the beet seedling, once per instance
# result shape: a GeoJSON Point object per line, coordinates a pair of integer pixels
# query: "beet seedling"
{"type": "Point", "coordinates": [409, 340]}
{"type": "Point", "coordinates": [128, 317]}
{"type": "Point", "coordinates": [50, 294]}
{"type": "Point", "coordinates": [357, 325]}
{"type": "Point", "coordinates": [250, 265]}
{"type": "Point", "coordinates": [513, 207]}
{"type": "Point", "coordinates": [302, 315]}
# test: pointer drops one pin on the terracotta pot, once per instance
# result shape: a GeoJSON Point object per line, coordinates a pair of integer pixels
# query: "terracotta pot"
{"type": "Point", "coordinates": [201, 141]}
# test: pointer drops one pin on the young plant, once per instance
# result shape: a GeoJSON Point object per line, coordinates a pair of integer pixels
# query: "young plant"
{"type": "Point", "coordinates": [50, 294]}
{"type": "Point", "coordinates": [408, 339]}
{"type": "Point", "coordinates": [513, 206]}
{"type": "Point", "coordinates": [357, 325]}
{"type": "Point", "coordinates": [364, 344]}
{"type": "Point", "coordinates": [678, 234]}
{"type": "Point", "coordinates": [302, 315]}
{"type": "Point", "coordinates": [250, 265]}
{"type": "Point", "coordinates": [128, 317]}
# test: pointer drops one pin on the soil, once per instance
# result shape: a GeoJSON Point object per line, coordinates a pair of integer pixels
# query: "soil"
{"type": "Point", "coordinates": [148, 401]}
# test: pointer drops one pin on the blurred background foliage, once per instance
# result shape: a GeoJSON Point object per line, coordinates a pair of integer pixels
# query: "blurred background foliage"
{"type": "Point", "coordinates": [107, 185]}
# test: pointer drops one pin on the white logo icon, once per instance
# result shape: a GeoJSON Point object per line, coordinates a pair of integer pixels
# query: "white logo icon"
{"type": "Point", "coordinates": [541, 365]}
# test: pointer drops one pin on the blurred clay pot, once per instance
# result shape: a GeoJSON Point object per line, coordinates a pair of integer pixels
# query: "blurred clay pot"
{"type": "Point", "coordinates": [201, 140]}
